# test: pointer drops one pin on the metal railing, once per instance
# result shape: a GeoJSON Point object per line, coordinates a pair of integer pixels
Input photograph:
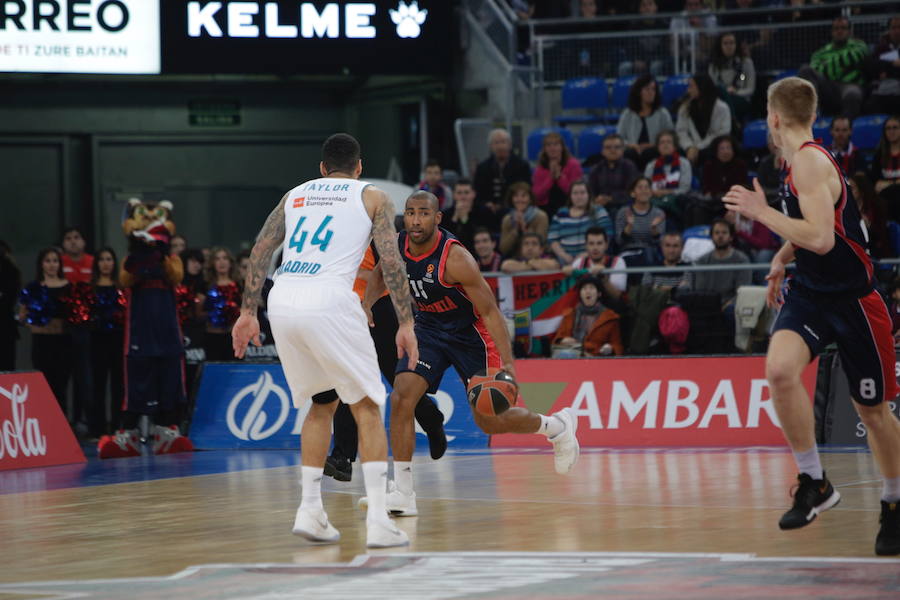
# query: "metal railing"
{"type": "Point", "coordinates": [663, 44]}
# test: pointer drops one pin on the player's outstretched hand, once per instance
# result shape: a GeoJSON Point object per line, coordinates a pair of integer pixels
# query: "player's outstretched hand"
{"type": "Point", "coordinates": [408, 344]}
{"type": "Point", "coordinates": [747, 203]}
{"type": "Point", "coordinates": [774, 280]}
{"type": "Point", "coordinates": [245, 330]}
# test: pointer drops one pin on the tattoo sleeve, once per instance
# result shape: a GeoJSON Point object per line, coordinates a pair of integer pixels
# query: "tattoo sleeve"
{"type": "Point", "coordinates": [270, 237]}
{"type": "Point", "coordinates": [393, 268]}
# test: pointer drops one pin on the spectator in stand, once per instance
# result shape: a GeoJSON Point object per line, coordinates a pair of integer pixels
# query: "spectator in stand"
{"type": "Point", "coordinates": [177, 245]}
{"type": "Point", "coordinates": [724, 170]}
{"type": "Point", "coordinates": [734, 75]}
{"type": "Point", "coordinates": [886, 167]}
{"type": "Point", "coordinates": [434, 183]}
{"type": "Point", "coordinates": [652, 49]}
{"type": "Point", "coordinates": [569, 226]}
{"type": "Point", "coordinates": [523, 217]}
{"type": "Point", "coordinates": [531, 256]}
{"type": "Point", "coordinates": [641, 224]}
{"type": "Point", "coordinates": [221, 304]}
{"type": "Point", "coordinates": [725, 283]}
{"type": "Point", "coordinates": [554, 174]}
{"type": "Point", "coordinates": [643, 120]}
{"type": "Point", "coordinates": [590, 325]}
{"type": "Point", "coordinates": [10, 284]}
{"type": "Point", "coordinates": [485, 250]}
{"type": "Point", "coordinates": [873, 213]}
{"type": "Point", "coordinates": [467, 217]}
{"type": "Point", "coordinates": [76, 262]}
{"type": "Point", "coordinates": [692, 33]}
{"type": "Point", "coordinates": [671, 278]}
{"type": "Point", "coordinates": [701, 118]}
{"type": "Point", "coordinates": [193, 261]}
{"type": "Point", "coordinates": [836, 70]}
{"type": "Point", "coordinates": [611, 177]}
{"type": "Point", "coordinates": [750, 41]}
{"type": "Point", "coordinates": [502, 169]}
{"type": "Point", "coordinates": [243, 265]}
{"type": "Point", "coordinates": [841, 147]}
{"type": "Point", "coordinates": [885, 69]}
{"type": "Point", "coordinates": [595, 260]}
{"type": "Point", "coordinates": [549, 9]}
{"type": "Point", "coordinates": [78, 267]}
{"type": "Point", "coordinates": [769, 172]}
{"type": "Point", "coordinates": [755, 240]}
{"type": "Point", "coordinates": [107, 336]}
{"type": "Point", "coordinates": [670, 177]}
{"type": "Point", "coordinates": [44, 309]}
{"type": "Point", "coordinates": [587, 9]}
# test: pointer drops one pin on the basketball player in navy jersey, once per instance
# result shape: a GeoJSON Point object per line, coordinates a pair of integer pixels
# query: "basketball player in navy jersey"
{"type": "Point", "coordinates": [459, 324]}
{"type": "Point", "coordinates": [831, 298]}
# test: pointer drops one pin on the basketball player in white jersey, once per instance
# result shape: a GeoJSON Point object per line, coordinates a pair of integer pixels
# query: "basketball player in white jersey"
{"type": "Point", "coordinates": [319, 326]}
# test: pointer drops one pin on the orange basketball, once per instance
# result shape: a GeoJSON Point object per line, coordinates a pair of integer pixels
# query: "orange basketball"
{"type": "Point", "coordinates": [493, 392]}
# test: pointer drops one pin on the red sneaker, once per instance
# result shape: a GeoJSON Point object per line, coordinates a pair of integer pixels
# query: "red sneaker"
{"type": "Point", "coordinates": [168, 440]}
{"type": "Point", "coordinates": [122, 444]}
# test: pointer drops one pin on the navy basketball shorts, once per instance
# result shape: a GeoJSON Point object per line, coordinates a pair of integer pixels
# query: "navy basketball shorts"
{"type": "Point", "coordinates": [154, 384]}
{"type": "Point", "coordinates": [469, 350]}
{"type": "Point", "coordinates": [861, 327]}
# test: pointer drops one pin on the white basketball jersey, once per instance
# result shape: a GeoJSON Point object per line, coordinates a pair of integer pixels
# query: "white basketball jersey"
{"type": "Point", "coordinates": [327, 230]}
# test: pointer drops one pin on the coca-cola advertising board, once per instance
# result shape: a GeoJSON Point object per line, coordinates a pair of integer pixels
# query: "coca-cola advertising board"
{"type": "Point", "coordinates": [33, 429]}
{"type": "Point", "coordinates": [646, 402]}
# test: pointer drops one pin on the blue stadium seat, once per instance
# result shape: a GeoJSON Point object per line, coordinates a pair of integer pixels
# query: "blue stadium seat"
{"type": "Point", "coordinates": [674, 88]}
{"type": "Point", "coordinates": [867, 131]}
{"type": "Point", "coordinates": [786, 73]}
{"type": "Point", "coordinates": [822, 131]}
{"type": "Point", "coordinates": [620, 91]}
{"type": "Point", "coordinates": [590, 140]}
{"type": "Point", "coordinates": [755, 134]}
{"type": "Point", "coordinates": [590, 93]}
{"type": "Point", "coordinates": [536, 140]}
{"type": "Point", "coordinates": [894, 234]}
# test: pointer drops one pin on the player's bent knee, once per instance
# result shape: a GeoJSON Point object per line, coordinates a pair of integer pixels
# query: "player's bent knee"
{"type": "Point", "coordinates": [876, 417]}
{"type": "Point", "coordinates": [781, 375]}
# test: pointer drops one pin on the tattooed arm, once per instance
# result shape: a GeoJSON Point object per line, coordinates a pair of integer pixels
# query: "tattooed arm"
{"type": "Point", "coordinates": [270, 237]}
{"type": "Point", "coordinates": [393, 269]}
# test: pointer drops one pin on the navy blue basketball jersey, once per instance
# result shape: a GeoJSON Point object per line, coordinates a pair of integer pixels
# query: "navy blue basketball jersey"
{"type": "Point", "coordinates": [846, 268]}
{"type": "Point", "coordinates": [440, 305]}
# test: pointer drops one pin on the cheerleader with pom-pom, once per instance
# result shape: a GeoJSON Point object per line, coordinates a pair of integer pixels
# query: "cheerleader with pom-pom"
{"type": "Point", "coordinates": [44, 308]}
{"type": "Point", "coordinates": [222, 303]}
{"type": "Point", "coordinates": [107, 338]}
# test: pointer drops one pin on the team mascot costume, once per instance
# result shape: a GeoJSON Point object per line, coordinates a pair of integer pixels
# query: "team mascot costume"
{"type": "Point", "coordinates": [154, 348]}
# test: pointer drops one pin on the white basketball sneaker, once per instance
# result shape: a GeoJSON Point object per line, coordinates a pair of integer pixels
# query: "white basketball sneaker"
{"type": "Point", "coordinates": [313, 524]}
{"type": "Point", "coordinates": [565, 444]}
{"type": "Point", "coordinates": [396, 502]}
{"type": "Point", "coordinates": [382, 533]}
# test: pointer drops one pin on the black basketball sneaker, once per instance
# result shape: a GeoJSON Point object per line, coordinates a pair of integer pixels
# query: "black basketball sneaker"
{"type": "Point", "coordinates": [811, 497]}
{"type": "Point", "coordinates": [888, 541]}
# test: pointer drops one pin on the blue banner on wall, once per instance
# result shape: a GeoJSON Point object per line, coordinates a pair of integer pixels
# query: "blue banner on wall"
{"type": "Point", "coordinates": [248, 405]}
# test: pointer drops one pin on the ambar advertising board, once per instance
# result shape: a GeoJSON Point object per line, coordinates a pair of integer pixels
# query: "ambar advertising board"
{"type": "Point", "coordinates": [79, 36]}
{"type": "Point", "coordinates": [297, 37]}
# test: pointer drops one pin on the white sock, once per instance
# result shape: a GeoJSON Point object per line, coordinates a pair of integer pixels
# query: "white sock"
{"type": "Point", "coordinates": [375, 478]}
{"type": "Point", "coordinates": [311, 481]}
{"type": "Point", "coordinates": [808, 462]}
{"type": "Point", "coordinates": [891, 490]}
{"type": "Point", "coordinates": [403, 476]}
{"type": "Point", "coordinates": [551, 426]}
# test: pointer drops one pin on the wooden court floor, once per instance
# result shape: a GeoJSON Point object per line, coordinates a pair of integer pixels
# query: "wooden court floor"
{"type": "Point", "coordinates": [721, 501]}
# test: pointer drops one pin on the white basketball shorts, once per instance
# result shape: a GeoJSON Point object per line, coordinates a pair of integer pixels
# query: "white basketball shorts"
{"type": "Point", "coordinates": [323, 340]}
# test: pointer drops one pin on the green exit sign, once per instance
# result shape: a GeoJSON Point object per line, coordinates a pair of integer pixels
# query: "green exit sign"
{"type": "Point", "coordinates": [214, 113]}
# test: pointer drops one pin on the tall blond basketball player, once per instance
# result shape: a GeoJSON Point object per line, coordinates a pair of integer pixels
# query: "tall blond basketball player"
{"type": "Point", "coordinates": [319, 326]}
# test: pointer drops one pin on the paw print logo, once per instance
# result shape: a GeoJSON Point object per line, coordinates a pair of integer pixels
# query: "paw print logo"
{"type": "Point", "coordinates": [408, 19]}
